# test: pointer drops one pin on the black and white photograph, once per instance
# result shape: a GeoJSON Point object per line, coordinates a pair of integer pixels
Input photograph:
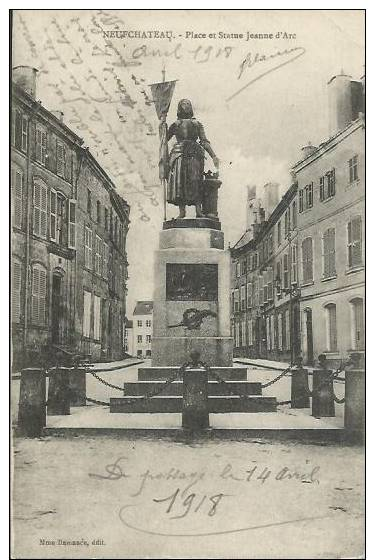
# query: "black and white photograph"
{"type": "Point", "coordinates": [187, 283]}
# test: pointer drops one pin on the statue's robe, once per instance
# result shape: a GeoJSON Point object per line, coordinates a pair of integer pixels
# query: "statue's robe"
{"type": "Point", "coordinates": [186, 162]}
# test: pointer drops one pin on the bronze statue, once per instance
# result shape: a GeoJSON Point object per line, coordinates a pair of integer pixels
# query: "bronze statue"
{"type": "Point", "coordinates": [186, 161]}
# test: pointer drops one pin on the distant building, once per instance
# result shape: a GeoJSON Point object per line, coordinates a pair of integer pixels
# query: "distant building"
{"type": "Point", "coordinates": [128, 337]}
{"type": "Point", "coordinates": [142, 328]}
{"type": "Point", "coordinates": [69, 229]}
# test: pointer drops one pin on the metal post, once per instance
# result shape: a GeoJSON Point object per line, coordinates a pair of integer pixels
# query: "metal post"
{"type": "Point", "coordinates": [58, 392]}
{"type": "Point", "coordinates": [32, 402]}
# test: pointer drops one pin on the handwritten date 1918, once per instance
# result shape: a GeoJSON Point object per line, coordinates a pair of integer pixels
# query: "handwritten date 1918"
{"type": "Point", "coordinates": [192, 503]}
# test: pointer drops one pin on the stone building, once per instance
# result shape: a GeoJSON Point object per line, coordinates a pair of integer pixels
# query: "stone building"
{"type": "Point", "coordinates": [142, 328]}
{"type": "Point", "coordinates": [69, 228]}
{"type": "Point", "coordinates": [265, 309]}
{"type": "Point", "coordinates": [331, 229]}
{"type": "Point", "coordinates": [298, 277]}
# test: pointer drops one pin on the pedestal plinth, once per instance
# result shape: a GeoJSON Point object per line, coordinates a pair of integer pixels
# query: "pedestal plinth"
{"type": "Point", "coordinates": [195, 414]}
{"type": "Point", "coordinates": [192, 294]}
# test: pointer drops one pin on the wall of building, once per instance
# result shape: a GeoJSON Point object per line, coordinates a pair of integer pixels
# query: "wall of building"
{"type": "Point", "coordinates": [142, 327]}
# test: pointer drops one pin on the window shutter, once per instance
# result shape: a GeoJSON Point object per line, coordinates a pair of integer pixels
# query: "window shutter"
{"type": "Point", "coordinates": [38, 144]}
{"type": "Point", "coordinates": [43, 211]}
{"type": "Point", "coordinates": [16, 291]}
{"type": "Point", "coordinates": [97, 321]}
{"type": "Point", "coordinates": [42, 296]}
{"type": "Point", "coordinates": [44, 147]}
{"type": "Point", "coordinates": [18, 130]}
{"type": "Point", "coordinates": [17, 181]}
{"type": "Point", "coordinates": [72, 224]}
{"type": "Point", "coordinates": [53, 218]}
{"type": "Point", "coordinates": [86, 313]}
{"type": "Point", "coordinates": [36, 213]}
{"type": "Point", "coordinates": [356, 233]}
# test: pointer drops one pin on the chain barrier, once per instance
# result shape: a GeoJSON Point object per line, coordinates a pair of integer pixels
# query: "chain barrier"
{"type": "Point", "coordinates": [110, 385]}
{"type": "Point", "coordinates": [264, 385]}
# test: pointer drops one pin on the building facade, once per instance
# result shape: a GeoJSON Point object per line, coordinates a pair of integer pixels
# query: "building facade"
{"type": "Point", "coordinates": [69, 227]}
{"type": "Point", "coordinates": [298, 280]}
{"type": "Point", "coordinates": [142, 329]}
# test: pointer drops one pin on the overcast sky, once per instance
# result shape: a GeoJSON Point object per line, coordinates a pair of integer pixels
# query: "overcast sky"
{"type": "Point", "coordinates": [257, 132]}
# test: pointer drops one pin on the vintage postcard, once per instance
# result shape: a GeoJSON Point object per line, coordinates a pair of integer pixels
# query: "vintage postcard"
{"type": "Point", "coordinates": [187, 283]}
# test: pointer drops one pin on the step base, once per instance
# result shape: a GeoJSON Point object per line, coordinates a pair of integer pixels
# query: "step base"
{"type": "Point", "coordinates": [160, 373]}
{"type": "Point", "coordinates": [140, 388]}
{"type": "Point", "coordinates": [174, 404]}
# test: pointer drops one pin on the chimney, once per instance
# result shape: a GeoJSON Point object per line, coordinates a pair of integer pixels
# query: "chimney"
{"type": "Point", "coordinates": [58, 114]}
{"type": "Point", "coordinates": [251, 207]}
{"type": "Point", "coordinates": [25, 77]}
{"type": "Point", "coordinates": [345, 101]}
{"type": "Point", "coordinates": [271, 198]}
{"type": "Point", "coordinates": [308, 150]}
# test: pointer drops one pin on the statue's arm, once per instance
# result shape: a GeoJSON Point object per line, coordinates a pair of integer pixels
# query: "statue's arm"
{"type": "Point", "coordinates": [207, 145]}
{"type": "Point", "coordinates": [171, 131]}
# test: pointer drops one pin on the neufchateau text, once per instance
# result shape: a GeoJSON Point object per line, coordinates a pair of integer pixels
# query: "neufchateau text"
{"type": "Point", "coordinates": [158, 34]}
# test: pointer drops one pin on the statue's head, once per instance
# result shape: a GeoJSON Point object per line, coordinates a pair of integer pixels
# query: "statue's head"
{"type": "Point", "coordinates": [184, 109]}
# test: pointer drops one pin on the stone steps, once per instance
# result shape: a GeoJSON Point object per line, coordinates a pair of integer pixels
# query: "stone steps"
{"type": "Point", "coordinates": [160, 373]}
{"type": "Point", "coordinates": [216, 404]}
{"type": "Point", "coordinates": [140, 388]}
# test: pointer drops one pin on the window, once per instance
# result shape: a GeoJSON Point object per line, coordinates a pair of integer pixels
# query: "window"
{"type": "Point", "coordinates": [38, 295]}
{"type": "Point", "coordinates": [278, 278]}
{"type": "Point", "coordinates": [236, 299]}
{"type": "Point", "coordinates": [261, 291]}
{"type": "Point", "coordinates": [89, 202]}
{"type": "Point", "coordinates": [353, 169]}
{"type": "Point", "coordinates": [40, 145]}
{"type": "Point", "coordinates": [105, 260]}
{"type": "Point", "coordinates": [270, 244]}
{"type": "Point", "coordinates": [238, 269]}
{"type": "Point", "coordinates": [243, 266]}
{"type": "Point", "coordinates": [269, 284]}
{"type": "Point", "coordinates": [255, 261]}
{"type": "Point", "coordinates": [16, 290]}
{"type": "Point", "coordinates": [61, 220]}
{"type": "Point", "coordinates": [300, 198]}
{"type": "Point", "coordinates": [139, 323]}
{"type": "Point", "coordinates": [53, 215]}
{"type": "Point", "coordinates": [272, 332]}
{"type": "Point", "coordinates": [17, 192]}
{"type": "Point", "coordinates": [358, 333]}
{"type": "Point", "coordinates": [331, 327]}
{"type": "Point", "coordinates": [106, 219]}
{"type": "Point", "coordinates": [280, 331]}
{"type": "Point", "coordinates": [243, 298]}
{"type": "Point", "coordinates": [139, 339]}
{"type": "Point", "coordinates": [86, 313]}
{"type": "Point", "coordinates": [72, 224]}
{"type": "Point", "coordinates": [40, 209]}
{"type": "Point", "coordinates": [286, 272]}
{"type": "Point", "coordinates": [237, 335]}
{"type": "Point", "coordinates": [355, 242]}
{"type": "Point", "coordinates": [329, 258]}
{"type": "Point", "coordinates": [327, 185]}
{"type": "Point", "coordinates": [286, 223]}
{"type": "Point", "coordinates": [294, 264]}
{"type": "Point", "coordinates": [307, 260]}
{"type": "Point", "coordinates": [88, 247]}
{"type": "Point", "coordinates": [309, 196]}
{"type": "Point", "coordinates": [97, 318]}
{"type": "Point", "coordinates": [243, 332]}
{"type": "Point", "coordinates": [60, 159]}
{"type": "Point", "coordinates": [294, 214]}
{"type": "Point", "coordinates": [24, 138]}
{"type": "Point", "coordinates": [148, 338]}
{"type": "Point", "coordinates": [279, 233]}
{"type": "Point", "coordinates": [98, 255]}
{"type": "Point", "coordinates": [249, 295]}
{"type": "Point", "coordinates": [98, 212]}
{"type": "Point", "coordinates": [250, 331]}
{"type": "Point", "coordinates": [322, 182]}
{"type": "Point", "coordinates": [148, 323]}
{"type": "Point", "coordinates": [21, 131]}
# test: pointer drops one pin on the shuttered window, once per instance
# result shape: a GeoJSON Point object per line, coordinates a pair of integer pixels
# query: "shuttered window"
{"type": "Point", "coordinates": [60, 159]}
{"type": "Point", "coordinates": [287, 330]}
{"type": "Point", "coordinates": [355, 242]}
{"type": "Point", "coordinates": [286, 272]}
{"type": "Point", "coordinates": [105, 260]}
{"type": "Point", "coordinates": [53, 215]}
{"type": "Point", "coordinates": [86, 313]}
{"type": "Point", "coordinates": [249, 295]}
{"type": "Point", "coordinates": [294, 264]}
{"type": "Point", "coordinates": [24, 133]}
{"type": "Point", "coordinates": [88, 247]}
{"type": "Point", "coordinates": [97, 318]}
{"type": "Point", "coordinates": [41, 145]}
{"type": "Point", "coordinates": [331, 327]}
{"type": "Point", "coordinates": [280, 331]}
{"type": "Point", "coordinates": [17, 193]}
{"type": "Point", "coordinates": [72, 224]}
{"type": "Point", "coordinates": [38, 295]}
{"type": "Point", "coordinates": [40, 209]}
{"type": "Point", "coordinates": [98, 255]}
{"type": "Point", "coordinates": [243, 297]}
{"type": "Point", "coordinates": [16, 290]}
{"type": "Point", "coordinates": [358, 331]}
{"type": "Point", "coordinates": [307, 260]}
{"type": "Point", "coordinates": [329, 256]}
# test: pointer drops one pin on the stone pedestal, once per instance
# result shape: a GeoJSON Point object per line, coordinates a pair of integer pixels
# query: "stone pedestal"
{"type": "Point", "coordinates": [355, 400]}
{"type": "Point", "coordinates": [192, 294]}
{"type": "Point", "coordinates": [323, 403]}
{"type": "Point", "coordinates": [32, 402]}
{"type": "Point", "coordinates": [58, 392]}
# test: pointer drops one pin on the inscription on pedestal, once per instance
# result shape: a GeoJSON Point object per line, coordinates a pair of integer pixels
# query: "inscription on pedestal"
{"type": "Point", "coordinates": [191, 282]}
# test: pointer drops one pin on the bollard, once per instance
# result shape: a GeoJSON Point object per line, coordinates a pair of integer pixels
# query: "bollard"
{"type": "Point", "coordinates": [77, 385]}
{"type": "Point", "coordinates": [323, 403]}
{"type": "Point", "coordinates": [58, 392]}
{"type": "Point", "coordinates": [300, 394]}
{"type": "Point", "coordinates": [195, 414]}
{"type": "Point", "coordinates": [354, 414]}
{"type": "Point", "coordinates": [32, 402]}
